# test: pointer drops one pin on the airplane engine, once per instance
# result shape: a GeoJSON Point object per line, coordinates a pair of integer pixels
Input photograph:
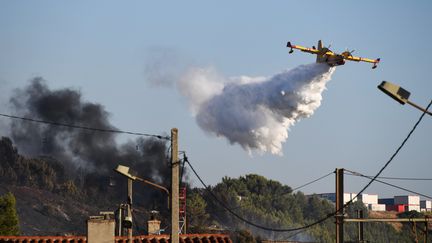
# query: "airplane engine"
{"type": "Point", "coordinates": [335, 60]}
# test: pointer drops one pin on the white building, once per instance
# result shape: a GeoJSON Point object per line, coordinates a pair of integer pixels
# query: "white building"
{"type": "Point", "coordinates": [368, 198]}
{"type": "Point", "coordinates": [332, 196]}
{"type": "Point", "coordinates": [377, 207]}
{"type": "Point", "coordinates": [425, 205]}
{"type": "Point", "coordinates": [371, 202]}
{"type": "Point", "coordinates": [348, 197]}
{"type": "Point", "coordinates": [412, 208]}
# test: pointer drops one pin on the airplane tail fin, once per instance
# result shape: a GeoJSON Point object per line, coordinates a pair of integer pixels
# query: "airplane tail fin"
{"type": "Point", "coordinates": [320, 56]}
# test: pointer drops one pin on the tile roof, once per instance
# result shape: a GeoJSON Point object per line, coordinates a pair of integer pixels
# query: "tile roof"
{"type": "Point", "coordinates": [187, 238]}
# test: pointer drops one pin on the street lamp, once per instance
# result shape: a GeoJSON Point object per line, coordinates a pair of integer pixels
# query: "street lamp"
{"type": "Point", "coordinates": [399, 94]}
{"type": "Point", "coordinates": [125, 171]}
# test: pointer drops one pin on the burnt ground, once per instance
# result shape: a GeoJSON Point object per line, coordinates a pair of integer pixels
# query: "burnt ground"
{"type": "Point", "coordinates": [44, 213]}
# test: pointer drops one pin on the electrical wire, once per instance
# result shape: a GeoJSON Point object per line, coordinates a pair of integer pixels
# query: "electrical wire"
{"type": "Point", "coordinates": [182, 167]}
{"type": "Point", "coordinates": [391, 157]}
{"type": "Point", "coordinates": [319, 221]}
{"type": "Point", "coordinates": [281, 194]}
{"type": "Point", "coordinates": [243, 219]}
{"type": "Point", "coordinates": [307, 184]}
{"type": "Point", "coordinates": [353, 173]}
{"type": "Point", "coordinates": [401, 178]}
{"type": "Point", "coordinates": [84, 127]}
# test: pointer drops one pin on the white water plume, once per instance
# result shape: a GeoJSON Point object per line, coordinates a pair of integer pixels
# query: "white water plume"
{"type": "Point", "coordinates": [255, 112]}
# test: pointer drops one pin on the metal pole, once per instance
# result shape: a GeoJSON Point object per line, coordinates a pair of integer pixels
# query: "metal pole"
{"type": "Point", "coordinates": [120, 215]}
{"type": "Point", "coordinates": [129, 208]}
{"type": "Point", "coordinates": [360, 226]}
{"type": "Point", "coordinates": [419, 107]}
{"type": "Point", "coordinates": [174, 187]}
{"type": "Point", "coordinates": [339, 205]}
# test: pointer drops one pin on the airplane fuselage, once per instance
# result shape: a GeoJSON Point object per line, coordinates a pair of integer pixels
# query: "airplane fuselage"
{"type": "Point", "coordinates": [331, 60]}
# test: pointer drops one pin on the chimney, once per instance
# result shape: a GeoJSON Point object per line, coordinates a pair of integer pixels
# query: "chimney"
{"type": "Point", "coordinates": [100, 229]}
{"type": "Point", "coordinates": [153, 225]}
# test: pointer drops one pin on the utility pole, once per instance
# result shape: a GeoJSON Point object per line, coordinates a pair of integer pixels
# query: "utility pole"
{"type": "Point", "coordinates": [360, 226]}
{"type": "Point", "coordinates": [174, 187]}
{"type": "Point", "coordinates": [129, 209]}
{"type": "Point", "coordinates": [339, 205]}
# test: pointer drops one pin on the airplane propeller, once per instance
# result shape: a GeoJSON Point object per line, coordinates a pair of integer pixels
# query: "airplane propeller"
{"type": "Point", "coordinates": [350, 52]}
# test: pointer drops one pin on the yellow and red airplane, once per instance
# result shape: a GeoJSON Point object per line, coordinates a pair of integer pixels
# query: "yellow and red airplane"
{"type": "Point", "coordinates": [324, 54]}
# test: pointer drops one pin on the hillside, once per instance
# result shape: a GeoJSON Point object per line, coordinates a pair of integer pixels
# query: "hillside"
{"type": "Point", "coordinates": [53, 201]}
{"type": "Point", "coordinates": [45, 213]}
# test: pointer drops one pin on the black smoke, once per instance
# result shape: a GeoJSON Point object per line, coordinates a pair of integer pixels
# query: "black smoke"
{"type": "Point", "coordinates": [88, 156]}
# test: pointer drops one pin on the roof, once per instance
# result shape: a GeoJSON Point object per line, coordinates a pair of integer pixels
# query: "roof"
{"type": "Point", "coordinates": [187, 238]}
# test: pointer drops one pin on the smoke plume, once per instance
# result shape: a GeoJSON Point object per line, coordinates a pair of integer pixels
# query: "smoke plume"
{"type": "Point", "coordinates": [81, 151]}
{"type": "Point", "coordinates": [255, 112]}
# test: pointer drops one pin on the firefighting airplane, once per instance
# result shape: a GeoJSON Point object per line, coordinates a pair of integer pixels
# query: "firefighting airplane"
{"type": "Point", "coordinates": [324, 54]}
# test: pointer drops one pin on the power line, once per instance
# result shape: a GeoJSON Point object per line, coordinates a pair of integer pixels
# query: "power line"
{"type": "Point", "coordinates": [84, 127]}
{"type": "Point", "coordinates": [329, 215]}
{"type": "Point", "coordinates": [399, 178]}
{"type": "Point", "coordinates": [281, 194]}
{"type": "Point", "coordinates": [388, 162]}
{"type": "Point", "coordinates": [307, 184]}
{"type": "Point", "coordinates": [353, 173]}
{"type": "Point", "coordinates": [243, 219]}
{"type": "Point", "coordinates": [394, 154]}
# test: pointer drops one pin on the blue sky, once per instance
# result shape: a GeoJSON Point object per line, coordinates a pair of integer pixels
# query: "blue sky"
{"type": "Point", "coordinates": [102, 48]}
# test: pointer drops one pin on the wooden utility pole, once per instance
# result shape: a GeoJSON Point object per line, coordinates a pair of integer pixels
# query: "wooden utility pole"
{"type": "Point", "coordinates": [339, 205]}
{"type": "Point", "coordinates": [174, 187]}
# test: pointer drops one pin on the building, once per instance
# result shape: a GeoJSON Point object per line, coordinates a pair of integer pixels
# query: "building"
{"type": "Point", "coordinates": [101, 229]}
{"type": "Point", "coordinates": [404, 203]}
{"type": "Point", "coordinates": [189, 238]}
{"type": "Point", "coordinates": [410, 202]}
{"type": "Point", "coordinates": [386, 201]}
{"type": "Point", "coordinates": [371, 202]}
{"type": "Point", "coordinates": [332, 197]}
{"type": "Point", "coordinates": [398, 208]}
{"type": "Point", "coordinates": [407, 200]}
{"type": "Point", "coordinates": [425, 205]}
{"type": "Point", "coordinates": [368, 198]}
{"type": "Point", "coordinates": [377, 207]}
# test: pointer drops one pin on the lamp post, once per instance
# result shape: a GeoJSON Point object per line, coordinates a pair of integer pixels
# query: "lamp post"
{"type": "Point", "coordinates": [399, 94]}
{"type": "Point", "coordinates": [125, 171]}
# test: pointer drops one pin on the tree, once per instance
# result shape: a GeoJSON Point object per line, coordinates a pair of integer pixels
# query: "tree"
{"type": "Point", "coordinates": [9, 224]}
{"type": "Point", "coordinates": [196, 212]}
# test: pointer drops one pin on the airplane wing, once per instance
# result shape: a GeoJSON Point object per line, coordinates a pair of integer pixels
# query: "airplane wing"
{"type": "Point", "coordinates": [302, 48]}
{"type": "Point", "coordinates": [362, 59]}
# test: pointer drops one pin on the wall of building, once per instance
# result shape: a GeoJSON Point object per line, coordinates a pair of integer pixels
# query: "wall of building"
{"type": "Point", "coordinates": [410, 200]}
{"type": "Point", "coordinates": [100, 230]}
{"type": "Point", "coordinates": [377, 207]}
{"type": "Point", "coordinates": [425, 205]}
{"type": "Point", "coordinates": [369, 198]}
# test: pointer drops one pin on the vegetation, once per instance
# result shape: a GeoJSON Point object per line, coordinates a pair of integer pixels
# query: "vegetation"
{"type": "Point", "coordinates": [9, 224]}
{"type": "Point", "coordinates": [253, 197]}
{"type": "Point", "coordinates": [273, 205]}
